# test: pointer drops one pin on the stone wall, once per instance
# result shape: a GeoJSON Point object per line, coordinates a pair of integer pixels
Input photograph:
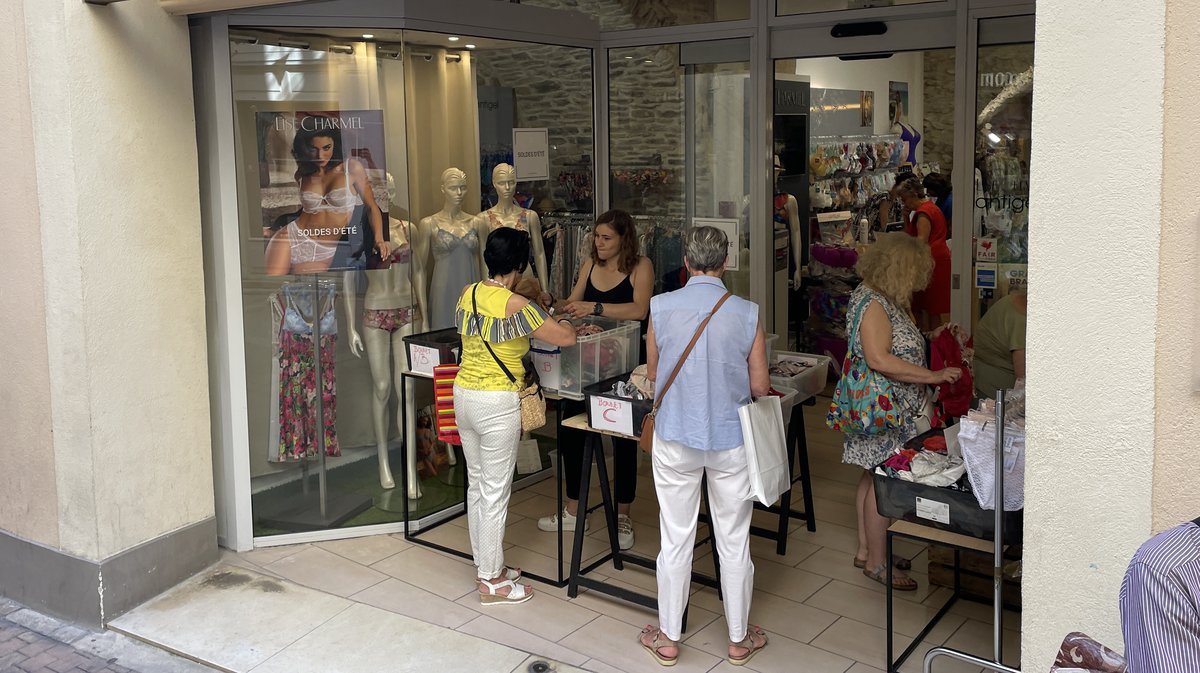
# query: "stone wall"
{"type": "Point", "coordinates": [629, 14]}
{"type": "Point", "coordinates": [938, 132]}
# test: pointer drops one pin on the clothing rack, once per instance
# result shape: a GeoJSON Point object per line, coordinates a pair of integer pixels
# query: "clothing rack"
{"type": "Point", "coordinates": [996, 663]}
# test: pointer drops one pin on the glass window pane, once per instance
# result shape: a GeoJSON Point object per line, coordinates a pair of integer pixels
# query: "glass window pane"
{"type": "Point", "coordinates": [630, 14]}
{"type": "Point", "coordinates": [1004, 108]}
{"type": "Point", "coordinates": [786, 7]}
{"type": "Point", "coordinates": [341, 136]}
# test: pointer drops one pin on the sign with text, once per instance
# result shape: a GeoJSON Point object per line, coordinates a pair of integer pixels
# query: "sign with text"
{"type": "Point", "coordinates": [730, 227]}
{"type": "Point", "coordinates": [422, 359]}
{"type": "Point", "coordinates": [546, 360]}
{"type": "Point", "coordinates": [986, 250]}
{"type": "Point", "coordinates": [531, 154]}
{"type": "Point", "coordinates": [1013, 278]}
{"type": "Point", "coordinates": [985, 276]}
{"type": "Point", "coordinates": [612, 415]}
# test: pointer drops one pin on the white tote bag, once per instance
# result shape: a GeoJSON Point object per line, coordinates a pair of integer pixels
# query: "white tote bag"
{"type": "Point", "coordinates": [766, 449]}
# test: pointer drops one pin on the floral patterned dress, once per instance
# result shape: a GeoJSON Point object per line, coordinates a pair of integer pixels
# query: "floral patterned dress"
{"type": "Point", "coordinates": [299, 427]}
{"type": "Point", "coordinates": [867, 451]}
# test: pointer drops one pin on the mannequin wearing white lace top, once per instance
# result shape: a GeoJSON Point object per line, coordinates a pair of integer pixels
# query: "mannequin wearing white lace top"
{"type": "Point", "coordinates": [507, 213]}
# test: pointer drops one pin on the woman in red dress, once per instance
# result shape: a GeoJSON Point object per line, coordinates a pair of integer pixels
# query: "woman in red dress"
{"type": "Point", "coordinates": [924, 220]}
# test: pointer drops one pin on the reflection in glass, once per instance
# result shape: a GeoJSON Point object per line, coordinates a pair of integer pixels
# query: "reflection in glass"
{"type": "Point", "coordinates": [631, 14]}
{"type": "Point", "coordinates": [785, 7]}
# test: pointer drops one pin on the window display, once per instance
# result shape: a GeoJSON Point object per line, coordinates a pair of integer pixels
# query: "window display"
{"type": "Point", "coordinates": [367, 187]}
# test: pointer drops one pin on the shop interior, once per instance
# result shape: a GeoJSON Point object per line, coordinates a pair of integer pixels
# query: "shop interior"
{"type": "Point", "coordinates": [678, 154]}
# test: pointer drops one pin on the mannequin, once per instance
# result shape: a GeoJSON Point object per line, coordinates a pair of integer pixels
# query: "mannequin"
{"type": "Point", "coordinates": [786, 213]}
{"type": "Point", "coordinates": [455, 239]}
{"type": "Point", "coordinates": [506, 213]}
{"type": "Point", "coordinates": [390, 315]}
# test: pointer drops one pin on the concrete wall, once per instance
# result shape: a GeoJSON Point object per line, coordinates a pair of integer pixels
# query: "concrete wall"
{"type": "Point", "coordinates": [105, 359]}
{"type": "Point", "coordinates": [30, 506]}
{"type": "Point", "coordinates": [1177, 413]}
{"type": "Point", "coordinates": [1094, 303]}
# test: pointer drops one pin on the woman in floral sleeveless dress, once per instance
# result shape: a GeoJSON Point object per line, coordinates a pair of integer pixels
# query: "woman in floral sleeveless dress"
{"type": "Point", "coordinates": [884, 334]}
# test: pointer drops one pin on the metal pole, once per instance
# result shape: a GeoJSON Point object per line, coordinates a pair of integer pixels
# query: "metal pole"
{"type": "Point", "coordinates": [998, 551]}
{"type": "Point", "coordinates": [320, 392]}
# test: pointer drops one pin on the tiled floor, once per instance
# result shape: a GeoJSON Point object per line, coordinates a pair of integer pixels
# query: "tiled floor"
{"type": "Point", "coordinates": [822, 614]}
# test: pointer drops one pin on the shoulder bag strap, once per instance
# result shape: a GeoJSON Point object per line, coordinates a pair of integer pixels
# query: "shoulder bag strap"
{"type": "Point", "coordinates": [479, 326]}
{"type": "Point", "coordinates": [687, 351]}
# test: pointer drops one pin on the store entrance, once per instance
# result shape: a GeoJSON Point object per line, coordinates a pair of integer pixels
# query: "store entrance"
{"type": "Point", "coordinates": [847, 130]}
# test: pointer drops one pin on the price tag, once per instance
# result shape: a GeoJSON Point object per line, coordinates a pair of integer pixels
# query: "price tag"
{"type": "Point", "coordinates": [612, 415]}
{"type": "Point", "coordinates": [422, 359]}
{"type": "Point", "coordinates": [933, 510]}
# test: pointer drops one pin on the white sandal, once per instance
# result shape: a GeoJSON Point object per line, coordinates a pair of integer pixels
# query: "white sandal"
{"type": "Point", "coordinates": [517, 593]}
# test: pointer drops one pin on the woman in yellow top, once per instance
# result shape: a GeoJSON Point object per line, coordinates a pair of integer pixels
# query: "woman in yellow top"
{"type": "Point", "coordinates": [486, 407]}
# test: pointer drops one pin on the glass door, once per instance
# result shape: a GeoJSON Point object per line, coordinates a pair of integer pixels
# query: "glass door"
{"type": "Point", "coordinates": [847, 130]}
{"type": "Point", "coordinates": [679, 153]}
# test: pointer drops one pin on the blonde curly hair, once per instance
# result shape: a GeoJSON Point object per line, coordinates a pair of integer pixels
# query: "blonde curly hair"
{"type": "Point", "coordinates": [897, 265]}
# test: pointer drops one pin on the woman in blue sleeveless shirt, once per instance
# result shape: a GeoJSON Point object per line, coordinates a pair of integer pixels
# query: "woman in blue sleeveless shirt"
{"type": "Point", "coordinates": [697, 432]}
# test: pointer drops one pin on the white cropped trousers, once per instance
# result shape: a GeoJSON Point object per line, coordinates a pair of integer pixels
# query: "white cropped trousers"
{"type": "Point", "coordinates": [677, 473]}
{"type": "Point", "coordinates": [489, 423]}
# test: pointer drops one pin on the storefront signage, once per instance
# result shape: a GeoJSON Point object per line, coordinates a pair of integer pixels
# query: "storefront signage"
{"type": "Point", "coordinates": [985, 276]}
{"type": "Point", "coordinates": [986, 249]}
{"type": "Point", "coordinates": [1013, 278]}
{"type": "Point", "coordinates": [730, 227]}
{"type": "Point", "coordinates": [531, 154]}
{"type": "Point", "coordinates": [612, 415]}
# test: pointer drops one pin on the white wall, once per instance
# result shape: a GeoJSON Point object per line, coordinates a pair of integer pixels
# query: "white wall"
{"type": "Point", "coordinates": [873, 75]}
{"type": "Point", "coordinates": [1094, 300]}
{"type": "Point", "coordinates": [114, 154]}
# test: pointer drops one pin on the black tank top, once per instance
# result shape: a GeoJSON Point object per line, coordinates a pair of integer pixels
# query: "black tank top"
{"type": "Point", "coordinates": [621, 293]}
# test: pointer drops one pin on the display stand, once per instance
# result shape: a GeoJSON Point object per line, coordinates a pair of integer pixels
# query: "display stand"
{"type": "Point", "coordinates": [615, 554]}
{"type": "Point", "coordinates": [414, 536]}
{"type": "Point", "coordinates": [958, 543]}
{"type": "Point", "coordinates": [329, 510]}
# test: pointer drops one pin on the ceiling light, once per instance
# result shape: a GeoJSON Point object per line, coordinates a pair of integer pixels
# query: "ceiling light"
{"type": "Point", "coordinates": [341, 48]}
{"type": "Point", "coordinates": [628, 58]}
{"type": "Point", "coordinates": [647, 61]}
{"type": "Point", "coordinates": [367, 36]}
{"type": "Point", "coordinates": [469, 46]}
{"type": "Point", "coordinates": [453, 38]}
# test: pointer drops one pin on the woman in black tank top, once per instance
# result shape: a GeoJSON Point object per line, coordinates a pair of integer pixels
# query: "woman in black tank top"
{"type": "Point", "coordinates": [628, 279]}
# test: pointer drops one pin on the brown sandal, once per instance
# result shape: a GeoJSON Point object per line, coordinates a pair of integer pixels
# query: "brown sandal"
{"type": "Point", "coordinates": [653, 645]}
{"type": "Point", "coordinates": [898, 583]}
{"type": "Point", "coordinates": [899, 562]}
{"type": "Point", "coordinates": [749, 644]}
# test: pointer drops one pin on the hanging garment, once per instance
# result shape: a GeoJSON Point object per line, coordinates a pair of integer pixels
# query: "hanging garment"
{"type": "Point", "coordinates": [296, 308]}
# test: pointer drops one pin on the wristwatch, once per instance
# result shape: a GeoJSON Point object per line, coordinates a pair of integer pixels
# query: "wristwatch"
{"type": "Point", "coordinates": [598, 309]}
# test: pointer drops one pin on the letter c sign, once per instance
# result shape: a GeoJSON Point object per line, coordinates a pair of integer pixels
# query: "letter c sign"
{"type": "Point", "coordinates": [607, 415]}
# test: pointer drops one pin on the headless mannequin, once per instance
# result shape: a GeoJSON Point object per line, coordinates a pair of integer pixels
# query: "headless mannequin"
{"type": "Point", "coordinates": [390, 290]}
{"type": "Point", "coordinates": [506, 213]}
{"type": "Point", "coordinates": [454, 221]}
{"type": "Point", "coordinates": [793, 224]}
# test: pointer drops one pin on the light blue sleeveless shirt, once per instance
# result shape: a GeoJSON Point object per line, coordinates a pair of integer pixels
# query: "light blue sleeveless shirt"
{"type": "Point", "coordinates": [700, 409]}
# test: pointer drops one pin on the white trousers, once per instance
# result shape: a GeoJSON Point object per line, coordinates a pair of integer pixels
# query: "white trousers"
{"type": "Point", "coordinates": [489, 423]}
{"type": "Point", "coordinates": [677, 473]}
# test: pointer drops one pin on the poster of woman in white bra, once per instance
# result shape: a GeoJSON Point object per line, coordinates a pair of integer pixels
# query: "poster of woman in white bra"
{"type": "Point", "coordinates": [325, 199]}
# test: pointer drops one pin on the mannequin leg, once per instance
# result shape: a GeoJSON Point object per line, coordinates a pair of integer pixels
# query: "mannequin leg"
{"type": "Point", "coordinates": [379, 347]}
{"type": "Point", "coordinates": [406, 418]}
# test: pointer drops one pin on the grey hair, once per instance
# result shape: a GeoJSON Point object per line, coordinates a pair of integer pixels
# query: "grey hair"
{"type": "Point", "coordinates": [706, 249]}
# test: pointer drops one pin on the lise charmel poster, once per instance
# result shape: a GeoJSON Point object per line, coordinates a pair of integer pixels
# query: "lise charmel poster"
{"type": "Point", "coordinates": [324, 189]}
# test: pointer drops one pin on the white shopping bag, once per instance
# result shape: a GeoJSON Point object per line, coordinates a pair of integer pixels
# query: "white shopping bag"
{"type": "Point", "coordinates": [766, 449]}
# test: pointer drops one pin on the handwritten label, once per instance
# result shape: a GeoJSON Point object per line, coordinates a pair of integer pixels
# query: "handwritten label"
{"type": "Point", "coordinates": [933, 510]}
{"type": "Point", "coordinates": [548, 369]}
{"type": "Point", "coordinates": [612, 415]}
{"type": "Point", "coordinates": [422, 359]}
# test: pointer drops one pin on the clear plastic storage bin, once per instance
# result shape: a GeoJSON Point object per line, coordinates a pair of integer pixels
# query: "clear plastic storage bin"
{"type": "Point", "coordinates": [807, 383]}
{"type": "Point", "coordinates": [613, 352]}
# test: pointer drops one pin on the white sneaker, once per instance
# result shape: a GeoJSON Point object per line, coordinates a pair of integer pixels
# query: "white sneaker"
{"type": "Point", "coordinates": [624, 532]}
{"type": "Point", "coordinates": [550, 523]}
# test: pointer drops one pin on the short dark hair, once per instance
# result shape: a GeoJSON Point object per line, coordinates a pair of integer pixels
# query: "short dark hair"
{"type": "Point", "coordinates": [937, 185]}
{"type": "Point", "coordinates": [506, 250]}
